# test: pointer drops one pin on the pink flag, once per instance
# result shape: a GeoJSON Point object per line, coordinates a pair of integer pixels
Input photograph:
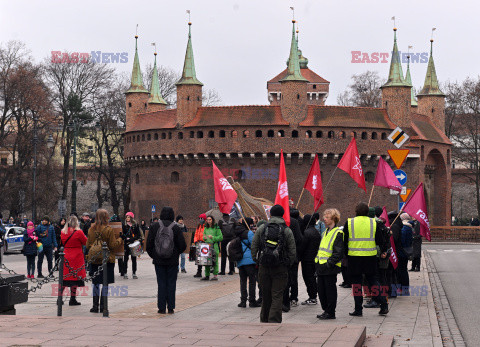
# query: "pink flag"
{"type": "Point", "coordinates": [393, 256]}
{"type": "Point", "coordinates": [282, 192]}
{"type": "Point", "coordinates": [417, 208]}
{"type": "Point", "coordinates": [351, 164]}
{"type": "Point", "coordinates": [384, 216]}
{"type": "Point", "coordinates": [314, 183]}
{"type": "Point", "coordinates": [225, 195]}
{"type": "Point", "coordinates": [385, 177]}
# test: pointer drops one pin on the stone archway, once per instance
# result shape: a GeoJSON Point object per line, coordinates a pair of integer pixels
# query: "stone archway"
{"type": "Point", "coordinates": [435, 187]}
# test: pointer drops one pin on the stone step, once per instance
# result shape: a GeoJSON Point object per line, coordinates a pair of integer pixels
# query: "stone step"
{"type": "Point", "coordinates": [378, 341]}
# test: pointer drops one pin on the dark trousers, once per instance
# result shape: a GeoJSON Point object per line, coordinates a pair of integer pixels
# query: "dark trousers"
{"type": "Point", "coordinates": [47, 252]}
{"type": "Point", "coordinates": [231, 264]}
{"type": "Point", "coordinates": [96, 295]}
{"type": "Point", "coordinates": [199, 269]}
{"type": "Point", "coordinates": [308, 274]}
{"type": "Point", "coordinates": [31, 264]}
{"type": "Point", "coordinates": [247, 272]}
{"type": "Point", "coordinates": [273, 281]}
{"type": "Point", "coordinates": [120, 266]}
{"type": "Point", "coordinates": [167, 285]}
{"type": "Point", "coordinates": [125, 261]}
{"type": "Point", "coordinates": [416, 263]}
{"type": "Point", "coordinates": [291, 291]}
{"type": "Point", "coordinates": [327, 292]}
{"type": "Point", "coordinates": [374, 286]}
{"type": "Point", "coordinates": [402, 273]}
{"type": "Point", "coordinates": [345, 275]}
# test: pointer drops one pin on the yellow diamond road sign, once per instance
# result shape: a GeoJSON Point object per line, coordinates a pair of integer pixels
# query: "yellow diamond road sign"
{"type": "Point", "coordinates": [398, 137]}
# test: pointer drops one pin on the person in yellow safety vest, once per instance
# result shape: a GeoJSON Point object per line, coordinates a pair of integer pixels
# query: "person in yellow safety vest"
{"type": "Point", "coordinates": [328, 263]}
{"type": "Point", "coordinates": [361, 240]}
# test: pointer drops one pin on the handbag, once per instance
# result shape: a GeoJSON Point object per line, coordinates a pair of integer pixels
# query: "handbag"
{"type": "Point", "coordinates": [192, 253]}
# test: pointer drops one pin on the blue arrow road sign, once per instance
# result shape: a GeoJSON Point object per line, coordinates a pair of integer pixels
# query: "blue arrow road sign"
{"type": "Point", "coordinates": [153, 208]}
{"type": "Point", "coordinates": [401, 176]}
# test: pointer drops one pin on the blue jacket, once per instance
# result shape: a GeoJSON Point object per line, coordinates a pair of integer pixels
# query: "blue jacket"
{"type": "Point", "coordinates": [46, 235]}
{"type": "Point", "coordinates": [246, 245]}
{"type": "Point", "coordinates": [30, 245]}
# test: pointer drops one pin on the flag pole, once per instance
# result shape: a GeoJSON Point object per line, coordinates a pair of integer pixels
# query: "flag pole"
{"type": "Point", "coordinates": [323, 193]}
{"type": "Point", "coordinates": [243, 217]}
{"type": "Point", "coordinates": [300, 198]}
{"type": "Point", "coordinates": [371, 195]}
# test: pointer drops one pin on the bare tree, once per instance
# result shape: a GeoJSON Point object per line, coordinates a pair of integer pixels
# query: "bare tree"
{"type": "Point", "coordinates": [363, 92]}
{"type": "Point", "coordinates": [454, 105]}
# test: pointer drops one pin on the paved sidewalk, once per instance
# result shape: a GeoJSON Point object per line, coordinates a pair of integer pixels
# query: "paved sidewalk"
{"type": "Point", "coordinates": [412, 320]}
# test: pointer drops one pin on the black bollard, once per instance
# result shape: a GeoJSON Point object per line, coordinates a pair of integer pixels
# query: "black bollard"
{"type": "Point", "coordinates": [61, 253]}
{"type": "Point", "coordinates": [105, 280]}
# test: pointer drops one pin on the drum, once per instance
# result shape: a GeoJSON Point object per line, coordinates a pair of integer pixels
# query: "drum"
{"type": "Point", "coordinates": [117, 229]}
{"type": "Point", "coordinates": [204, 254]}
{"type": "Point", "coordinates": [136, 248]}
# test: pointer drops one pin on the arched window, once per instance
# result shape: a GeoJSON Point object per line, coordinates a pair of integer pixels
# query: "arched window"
{"type": "Point", "coordinates": [200, 134]}
{"type": "Point", "coordinates": [155, 136]}
{"type": "Point", "coordinates": [308, 134]}
{"type": "Point", "coordinates": [211, 134]}
{"type": "Point", "coordinates": [180, 135]}
{"type": "Point", "coordinates": [169, 135]}
{"type": "Point", "coordinates": [364, 135]}
{"type": "Point", "coordinates": [369, 177]}
{"type": "Point", "coordinates": [294, 133]}
{"type": "Point", "coordinates": [258, 133]}
{"type": "Point", "coordinates": [319, 134]}
{"type": "Point", "coordinates": [164, 136]}
{"type": "Point", "coordinates": [143, 137]}
{"type": "Point", "coordinates": [133, 138]}
{"type": "Point", "coordinates": [298, 96]}
{"type": "Point", "coordinates": [271, 133]}
{"type": "Point", "coordinates": [192, 134]}
{"type": "Point", "coordinates": [234, 133]}
{"type": "Point", "coordinates": [137, 178]}
{"type": "Point", "coordinates": [331, 134]}
{"type": "Point", "coordinates": [246, 133]}
{"type": "Point", "coordinates": [281, 133]}
{"type": "Point", "coordinates": [221, 133]}
{"type": "Point", "coordinates": [138, 138]}
{"type": "Point", "coordinates": [374, 136]}
{"type": "Point", "coordinates": [198, 98]}
{"type": "Point", "coordinates": [384, 136]}
{"type": "Point", "coordinates": [342, 134]}
{"type": "Point", "coordinates": [188, 98]}
{"type": "Point", "coordinates": [129, 104]}
{"type": "Point", "coordinates": [174, 177]}
{"type": "Point", "coordinates": [353, 134]}
{"type": "Point", "coordinates": [149, 137]}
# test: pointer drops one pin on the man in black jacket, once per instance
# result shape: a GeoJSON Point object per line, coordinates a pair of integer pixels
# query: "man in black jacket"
{"type": "Point", "coordinates": [227, 226]}
{"type": "Point", "coordinates": [166, 268]}
{"type": "Point", "coordinates": [311, 242]}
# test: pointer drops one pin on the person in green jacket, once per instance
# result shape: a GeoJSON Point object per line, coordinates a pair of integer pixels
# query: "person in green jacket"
{"type": "Point", "coordinates": [212, 235]}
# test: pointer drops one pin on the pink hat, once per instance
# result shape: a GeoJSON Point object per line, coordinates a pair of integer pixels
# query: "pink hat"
{"type": "Point", "coordinates": [130, 214]}
{"type": "Point", "coordinates": [30, 223]}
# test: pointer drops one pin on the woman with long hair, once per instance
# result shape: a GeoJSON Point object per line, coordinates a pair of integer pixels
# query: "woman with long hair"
{"type": "Point", "coordinates": [212, 235]}
{"type": "Point", "coordinates": [73, 239]}
{"type": "Point", "coordinates": [30, 248]}
{"type": "Point", "coordinates": [98, 233]}
{"type": "Point", "coordinates": [130, 234]}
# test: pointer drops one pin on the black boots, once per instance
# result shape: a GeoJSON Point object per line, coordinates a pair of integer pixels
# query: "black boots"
{"type": "Point", "coordinates": [96, 300]}
{"type": "Point", "coordinates": [73, 301]}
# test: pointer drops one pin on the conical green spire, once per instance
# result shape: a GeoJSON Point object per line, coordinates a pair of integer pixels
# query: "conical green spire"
{"type": "Point", "coordinates": [408, 80]}
{"type": "Point", "coordinates": [155, 95]}
{"type": "Point", "coordinates": [303, 61]}
{"type": "Point", "coordinates": [136, 86]}
{"type": "Point", "coordinates": [188, 74]}
{"type": "Point", "coordinates": [395, 76]}
{"type": "Point", "coordinates": [431, 87]}
{"type": "Point", "coordinates": [293, 70]}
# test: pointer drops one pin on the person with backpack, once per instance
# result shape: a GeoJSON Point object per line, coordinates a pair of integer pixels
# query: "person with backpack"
{"type": "Point", "coordinates": [98, 233]}
{"type": "Point", "coordinates": [198, 238]}
{"type": "Point", "coordinates": [165, 242]}
{"type": "Point", "coordinates": [130, 233]}
{"type": "Point", "coordinates": [227, 226]}
{"type": "Point", "coordinates": [213, 236]}
{"type": "Point", "coordinates": [405, 253]}
{"type": "Point", "coordinates": [311, 241]}
{"type": "Point", "coordinates": [246, 265]}
{"type": "Point", "coordinates": [273, 249]}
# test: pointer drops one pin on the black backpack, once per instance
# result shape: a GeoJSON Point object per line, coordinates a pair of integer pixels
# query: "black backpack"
{"type": "Point", "coordinates": [228, 230]}
{"type": "Point", "coordinates": [272, 248]}
{"type": "Point", "coordinates": [235, 250]}
{"type": "Point", "coordinates": [164, 243]}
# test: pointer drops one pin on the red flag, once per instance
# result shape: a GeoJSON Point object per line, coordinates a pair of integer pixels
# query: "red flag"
{"type": "Point", "coordinates": [314, 183]}
{"type": "Point", "coordinates": [384, 216]}
{"type": "Point", "coordinates": [385, 177]}
{"type": "Point", "coordinates": [282, 191]}
{"type": "Point", "coordinates": [417, 208]}
{"type": "Point", "coordinates": [393, 256]}
{"type": "Point", "coordinates": [351, 164]}
{"type": "Point", "coordinates": [225, 195]}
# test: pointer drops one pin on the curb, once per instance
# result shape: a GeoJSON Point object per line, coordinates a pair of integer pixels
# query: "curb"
{"type": "Point", "coordinates": [451, 335]}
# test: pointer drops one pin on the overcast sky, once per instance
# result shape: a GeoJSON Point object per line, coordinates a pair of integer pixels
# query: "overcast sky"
{"type": "Point", "coordinates": [240, 45]}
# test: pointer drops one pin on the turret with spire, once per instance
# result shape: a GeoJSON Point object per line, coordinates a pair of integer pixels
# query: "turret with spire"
{"type": "Point", "coordinates": [431, 100]}
{"type": "Point", "coordinates": [293, 87]}
{"type": "Point", "coordinates": [189, 88]}
{"type": "Point", "coordinates": [156, 101]}
{"type": "Point", "coordinates": [408, 80]}
{"type": "Point", "coordinates": [396, 92]}
{"type": "Point", "coordinates": [136, 96]}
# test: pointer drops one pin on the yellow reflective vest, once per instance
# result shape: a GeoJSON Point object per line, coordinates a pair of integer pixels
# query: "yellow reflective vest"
{"type": "Point", "coordinates": [361, 236]}
{"type": "Point", "coordinates": [326, 246]}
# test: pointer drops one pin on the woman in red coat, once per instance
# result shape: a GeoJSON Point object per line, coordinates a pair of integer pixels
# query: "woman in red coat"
{"type": "Point", "coordinates": [73, 240]}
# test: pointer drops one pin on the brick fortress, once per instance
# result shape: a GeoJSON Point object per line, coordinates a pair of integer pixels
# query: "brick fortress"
{"type": "Point", "coordinates": [169, 151]}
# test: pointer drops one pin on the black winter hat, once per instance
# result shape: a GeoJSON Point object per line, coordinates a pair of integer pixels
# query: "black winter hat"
{"type": "Point", "coordinates": [277, 211]}
{"type": "Point", "coordinates": [294, 213]}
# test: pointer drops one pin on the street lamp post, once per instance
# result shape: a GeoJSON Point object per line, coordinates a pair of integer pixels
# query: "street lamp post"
{"type": "Point", "coordinates": [75, 125]}
{"type": "Point", "coordinates": [35, 140]}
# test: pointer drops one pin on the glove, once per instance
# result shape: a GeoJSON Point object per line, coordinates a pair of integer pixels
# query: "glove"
{"type": "Point", "coordinates": [34, 238]}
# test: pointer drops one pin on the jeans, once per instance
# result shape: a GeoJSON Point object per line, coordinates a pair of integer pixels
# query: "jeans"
{"type": "Point", "coordinates": [308, 274]}
{"type": "Point", "coordinates": [273, 281]}
{"type": "Point", "coordinates": [48, 252]}
{"type": "Point", "coordinates": [167, 285]}
{"type": "Point", "coordinates": [31, 264]}
{"type": "Point", "coordinates": [182, 261]}
{"type": "Point", "coordinates": [327, 292]}
{"type": "Point", "coordinates": [247, 272]}
{"type": "Point", "coordinates": [125, 262]}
